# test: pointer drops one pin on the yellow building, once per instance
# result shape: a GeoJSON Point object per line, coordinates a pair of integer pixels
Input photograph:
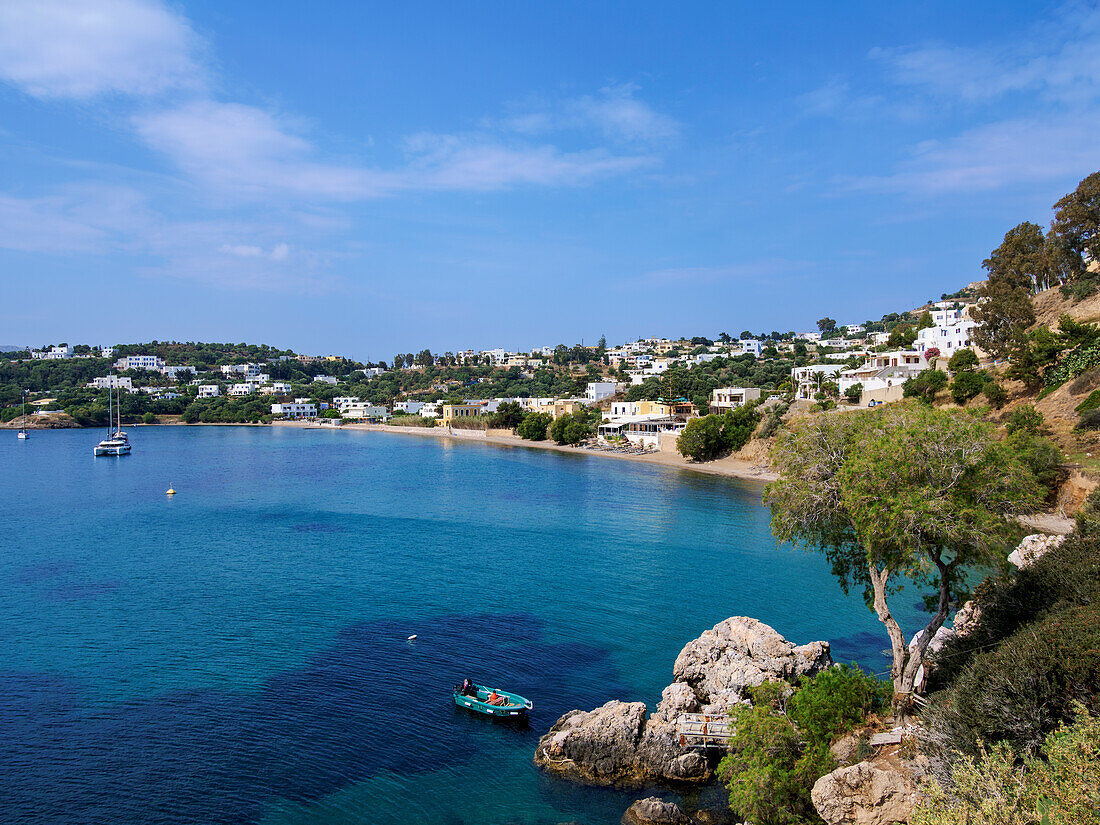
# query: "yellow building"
{"type": "Point", "coordinates": [453, 411]}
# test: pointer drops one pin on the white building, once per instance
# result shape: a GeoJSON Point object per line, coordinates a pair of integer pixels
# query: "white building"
{"type": "Point", "coordinates": [209, 391]}
{"type": "Point", "coordinates": [113, 382]}
{"type": "Point", "coordinates": [280, 387]}
{"type": "Point", "coordinates": [363, 411]}
{"type": "Point", "coordinates": [57, 353]}
{"type": "Point", "coordinates": [946, 313]}
{"type": "Point", "coordinates": [808, 336]}
{"type": "Point", "coordinates": [496, 356]}
{"type": "Point", "coordinates": [947, 339]}
{"type": "Point", "coordinates": [324, 379]}
{"type": "Point", "coordinates": [599, 390]}
{"type": "Point", "coordinates": [408, 407]}
{"type": "Point", "coordinates": [749, 346]}
{"type": "Point", "coordinates": [372, 372]}
{"type": "Point", "coordinates": [883, 375]}
{"type": "Point", "coordinates": [807, 380]}
{"type": "Point", "coordinates": [295, 410]}
{"type": "Point", "coordinates": [239, 390]}
{"type": "Point", "coordinates": [247, 370]}
{"type": "Point", "coordinates": [853, 329]}
{"type": "Point", "coordinates": [430, 410]}
{"type": "Point", "coordinates": [139, 362]}
{"type": "Point", "coordinates": [728, 398]}
{"type": "Point", "coordinates": [341, 400]}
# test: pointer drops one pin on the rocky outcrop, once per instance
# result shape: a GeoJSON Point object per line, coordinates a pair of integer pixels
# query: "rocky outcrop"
{"type": "Point", "coordinates": [654, 811]}
{"type": "Point", "coordinates": [966, 618]}
{"type": "Point", "coordinates": [863, 794]}
{"type": "Point", "coordinates": [617, 745]}
{"type": "Point", "coordinates": [1032, 548]}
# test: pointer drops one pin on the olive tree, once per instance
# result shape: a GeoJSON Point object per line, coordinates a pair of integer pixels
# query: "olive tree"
{"type": "Point", "coordinates": [902, 494]}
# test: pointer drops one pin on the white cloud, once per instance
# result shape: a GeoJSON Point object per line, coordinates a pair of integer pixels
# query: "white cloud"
{"type": "Point", "coordinates": [83, 48]}
{"type": "Point", "coordinates": [616, 113]}
{"type": "Point", "coordinates": [1058, 62]}
{"type": "Point", "coordinates": [246, 152]}
{"type": "Point", "coordinates": [996, 155]}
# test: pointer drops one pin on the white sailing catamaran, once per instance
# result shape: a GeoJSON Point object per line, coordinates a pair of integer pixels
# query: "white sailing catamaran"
{"type": "Point", "coordinates": [116, 443]}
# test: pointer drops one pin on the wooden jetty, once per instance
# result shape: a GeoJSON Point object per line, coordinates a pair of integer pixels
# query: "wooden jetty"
{"type": "Point", "coordinates": [702, 730]}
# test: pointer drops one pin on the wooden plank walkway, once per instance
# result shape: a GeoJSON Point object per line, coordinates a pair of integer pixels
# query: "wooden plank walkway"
{"type": "Point", "coordinates": [704, 730]}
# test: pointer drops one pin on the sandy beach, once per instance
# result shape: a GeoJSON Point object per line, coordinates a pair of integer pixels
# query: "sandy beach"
{"type": "Point", "coordinates": [729, 467]}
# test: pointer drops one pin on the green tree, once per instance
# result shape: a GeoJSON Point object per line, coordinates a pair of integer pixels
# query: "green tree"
{"type": "Point", "coordinates": [925, 385]}
{"type": "Point", "coordinates": [925, 322]}
{"type": "Point", "coordinates": [826, 325]}
{"type": "Point", "coordinates": [1022, 259]}
{"type": "Point", "coordinates": [963, 359]}
{"type": "Point", "coordinates": [1003, 315]}
{"type": "Point", "coordinates": [508, 416]}
{"type": "Point", "coordinates": [902, 336]}
{"type": "Point", "coordinates": [570, 428]}
{"type": "Point", "coordinates": [1076, 229]}
{"type": "Point", "coordinates": [534, 426]}
{"type": "Point", "coordinates": [854, 393]}
{"type": "Point", "coordinates": [908, 492]}
{"type": "Point", "coordinates": [966, 385]}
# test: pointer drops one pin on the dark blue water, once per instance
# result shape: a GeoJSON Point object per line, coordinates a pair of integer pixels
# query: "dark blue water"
{"type": "Point", "coordinates": [239, 653]}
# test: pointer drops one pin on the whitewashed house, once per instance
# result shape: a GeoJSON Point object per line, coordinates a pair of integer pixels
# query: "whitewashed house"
{"type": "Point", "coordinates": [209, 391]}
{"type": "Point", "coordinates": [297, 409]}
{"type": "Point", "coordinates": [408, 407]}
{"type": "Point", "coordinates": [729, 398]}
{"type": "Point", "coordinates": [240, 390]}
{"type": "Point", "coordinates": [140, 362]}
{"type": "Point", "coordinates": [599, 390]}
{"type": "Point", "coordinates": [883, 374]}
{"type": "Point", "coordinates": [113, 382]}
{"type": "Point", "coordinates": [324, 379]}
{"type": "Point", "coordinates": [807, 380]}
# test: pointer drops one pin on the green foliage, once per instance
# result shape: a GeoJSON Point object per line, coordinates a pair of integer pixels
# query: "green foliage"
{"type": "Point", "coordinates": [148, 418]}
{"type": "Point", "coordinates": [925, 385]}
{"type": "Point", "coordinates": [781, 746]}
{"type": "Point", "coordinates": [773, 420]}
{"type": "Point", "coordinates": [854, 393]}
{"type": "Point", "coordinates": [834, 701]}
{"type": "Point", "coordinates": [508, 416]}
{"type": "Point", "coordinates": [1090, 403]}
{"type": "Point", "coordinates": [1043, 458]}
{"type": "Point", "coordinates": [411, 421]}
{"type": "Point", "coordinates": [963, 359]}
{"type": "Point", "coordinates": [904, 492]}
{"type": "Point", "coordinates": [966, 385]}
{"type": "Point", "coordinates": [534, 426]}
{"type": "Point", "coordinates": [1060, 786]}
{"type": "Point", "coordinates": [925, 322]}
{"type": "Point", "coordinates": [710, 436]}
{"type": "Point", "coordinates": [1032, 356]}
{"type": "Point", "coordinates": [901, 337]}
{"type": "Point", "coordinates": [570, 429]}
{"type": "Point", "coordinates": [1026, 418]}
{"type": "Point", "coordinates": [1072, 364]}
{"type": "Point", "coordinates": [995, 394]}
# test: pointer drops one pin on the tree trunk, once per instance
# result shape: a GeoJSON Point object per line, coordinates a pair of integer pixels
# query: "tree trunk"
{"type": "Point", "coordinates": [906, 665]}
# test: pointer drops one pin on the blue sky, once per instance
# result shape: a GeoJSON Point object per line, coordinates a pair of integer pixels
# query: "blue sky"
{"type": "Point", "coordinates": [366, 178]}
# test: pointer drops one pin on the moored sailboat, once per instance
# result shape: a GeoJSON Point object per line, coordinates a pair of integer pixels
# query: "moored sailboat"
{"type": "Point", "coordinates": [117, 443]}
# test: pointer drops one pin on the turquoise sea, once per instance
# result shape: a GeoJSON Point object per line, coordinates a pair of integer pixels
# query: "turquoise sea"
{"type": "Point", "coordinates": [239, 653]}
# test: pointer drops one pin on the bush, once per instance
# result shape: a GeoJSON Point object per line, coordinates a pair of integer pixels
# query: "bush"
{"type": "Point", "coordinates": [1043, 458]}
{"type": "Point", "coordinates": [853, 393]}
{"type": "Point", "coordinates": [1025, 417]}
{"type": "Point", "coordinates": [962, 360]}
{"type": "Point", "coordinates": [781, 746]}
{"type": "Point", "coordinates": [710, 436]}
{"type": "Point", "coordinates": [967, 384]}
{"type": "Point", "coordinates": [773, 420]}
{"type": "Point", "coordinates": [508, 416]}
{"type": "Point", "coordinates": [1058, 788]}
{"type": "Point", "coordinates": [1026, 687]}
{"type": "Point", "coordinates": [534, 426]}
{"type": "Point", "coordinates": [1090, 403]}
{"type": "Point", "coordinates": [926, 385]}
{"type": "Point", "coordinates": [148, 418]}
{"type": "Point", "coordinates": [570, 429]}
{"type": "Point", "coordinates": [995, 394]}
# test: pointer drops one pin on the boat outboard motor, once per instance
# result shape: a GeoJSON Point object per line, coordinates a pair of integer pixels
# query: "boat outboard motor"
{"type": "Point", "coordinates": [468, 688]}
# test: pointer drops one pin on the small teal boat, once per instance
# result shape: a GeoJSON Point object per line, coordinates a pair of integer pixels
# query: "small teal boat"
{"type": "Point", "coordinates": [476, 698]}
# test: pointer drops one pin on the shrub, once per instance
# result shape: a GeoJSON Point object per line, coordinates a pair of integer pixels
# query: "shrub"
{"type": "Point", "coordinates": [931, 354]}
{"type": "Point", "coordinates": [773, 420]}
{"type": "Point", "coordinates": [966, 384]}
{"type": "Point", "coordinates": [1026, 687]}
{"type": "Point", "coordinates": [710, 436]}
{"type": "Point", "coordinates": [926, 385]}
{"type": "Point", "coordinates": [534, 426]}
{"type": "Point", "coordinates": [1025, 417]}
{"type": "Point", "coordinates": [1058, 788]}
{"type": "Point", "coordinates": [508, 416]}
{"type": "Point", "coordinates": [1090, 403]}
{"type": "Point", "coordinates": [781, 746]}
{"type": "Point", "coordinates": [995, 394]}
{"type": "Point", "coordinates": [1042, 457]}
{"type": "Point", "coordinates": [569, 429]}
{"type": "Point", "coordinates": [148, 418]}
{"type": "Point", "coordinates": [853, 393]}
{"type": "Point", "coordinates": [963, 359]}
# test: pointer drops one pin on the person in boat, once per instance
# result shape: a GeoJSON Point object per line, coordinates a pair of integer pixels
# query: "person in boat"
{"type": "Point", "coordinates": [496, 699]}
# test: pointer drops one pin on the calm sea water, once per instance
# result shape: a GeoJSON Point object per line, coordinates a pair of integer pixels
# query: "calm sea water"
{"type": "Point", "coordinates": [239, 653]}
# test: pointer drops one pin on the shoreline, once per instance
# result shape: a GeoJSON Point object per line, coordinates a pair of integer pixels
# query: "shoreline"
{"type": "Point", "coordinates": [728, 467]}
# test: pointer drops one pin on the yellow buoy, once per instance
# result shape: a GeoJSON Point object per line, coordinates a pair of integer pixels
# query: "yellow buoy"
{"type": "Point", "coordinates": [171, 492]}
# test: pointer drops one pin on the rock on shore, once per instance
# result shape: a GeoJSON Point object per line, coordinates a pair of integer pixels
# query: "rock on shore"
{"type": "Point", "coordinates": [864, 794]}
{"type": "Point", "coordinates": [617, 744]}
